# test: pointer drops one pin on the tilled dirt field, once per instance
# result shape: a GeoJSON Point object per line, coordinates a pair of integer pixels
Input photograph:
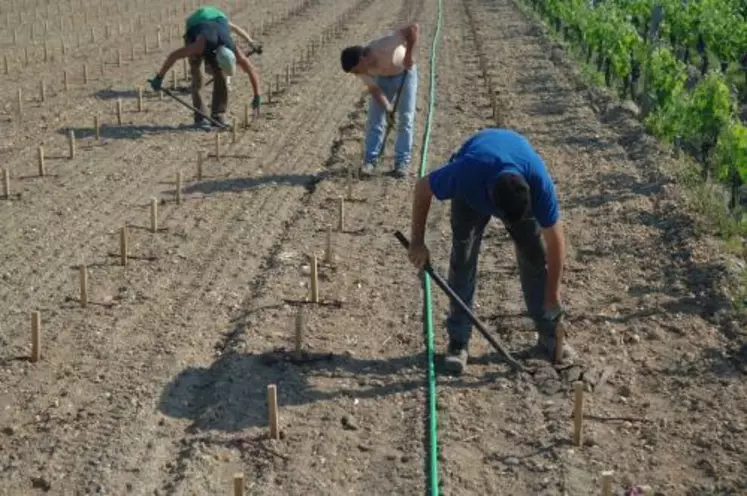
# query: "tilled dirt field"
{"type": "Point", "coordinates": [159, 385]}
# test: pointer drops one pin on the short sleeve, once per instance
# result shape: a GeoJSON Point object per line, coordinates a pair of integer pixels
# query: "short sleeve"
{"type": "Point", "coordinates": [545, 199]}
{"type": "Point", "coordinates": [443, 181]}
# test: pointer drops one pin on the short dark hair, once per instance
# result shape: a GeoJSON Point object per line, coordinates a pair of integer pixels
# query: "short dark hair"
{"type": "Point", "coordinates": [511, 196]}
{"type": "Point", "coordinates": [350, 57]}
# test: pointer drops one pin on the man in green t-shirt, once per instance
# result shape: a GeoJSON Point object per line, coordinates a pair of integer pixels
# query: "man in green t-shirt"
{"type": "Point", "coordinates": [208, 37]}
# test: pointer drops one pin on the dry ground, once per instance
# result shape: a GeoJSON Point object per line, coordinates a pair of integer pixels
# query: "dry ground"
{"type": "Point", "coordinates": [158, 386]}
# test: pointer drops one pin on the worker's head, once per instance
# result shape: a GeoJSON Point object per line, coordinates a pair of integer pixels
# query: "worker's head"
{"type": "Point", "coordinates": [511, 196]}
{"type": "Point", "coordinates": [354, 58]}
{"type": "Point", "coordinates": [226, 60]}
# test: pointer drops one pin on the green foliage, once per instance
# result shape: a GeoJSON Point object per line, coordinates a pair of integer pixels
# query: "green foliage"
{"type": "Point", "coordinates": [730, 156]}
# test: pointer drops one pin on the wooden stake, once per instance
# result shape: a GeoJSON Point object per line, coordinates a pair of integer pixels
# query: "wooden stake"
{"type": "Point", "coordinates": [154, 215]}
{"type": "Point", "coordinates": [233, 130]}
{"type": "Point", "coordinates": [298, 341]}
{"type": "Point", "coordinates": [42, 91]}
{"type": "Point", "coordinates": [119, 111]}
{"type": "Point", "coordinates": [314, 281]}
{"type": "Point", "coordinates": [41, 161]}
{"type": "Point", "coordinates": [85, 73]}
{"type": "Point", "coordinates": [328, 252]}
{"type": "Point", "coordinates": [20, 103]}
{"type": "Point", "coordinates": [173, 80]}
{"type": "Point", "coordinates": [83, 286]}
{"type": "Point", "coordinates": [184, 69]}
{"type": "Point", "coordinates": [26, 55]}
{"type": "Point", "coordinates": [139, 98]}
{"type": "Point", "coordinates": [64, 80]}
{"type": "Point", "coordinates": [238, 484]}
{"type": "Point", "coordinates": [5, 65]}
{"type": "Point", "coordinates": [559, 342]}
{"type": "Point", "coordinates": [349, 181]}
{"type": "Point", "coordinates": [96, 127]}
{"type": "Point", "coordinates": [200, 160]}
{"type": "Point", "coordinates": [71, 143]}
{"type": "Point", "coordinates": [217, 146]}
{"type": "Point", "coordinates": [607, 483]}
{"type": "Point", "coordinates": [119, 57]}
{"type": "Point", "coordinates": [123, 244]}
{"type": "Point", "coordinates": [272, 408]}
{"type": "Point", "coordinates": [179, 188]}
{"type": "Point", "coordinates": [103, 66]}
{"type": "Point", "coordinates": [578, 411]}
{"type": "Point", "coordinates": [46, 52]}
{"type": "Point", "coordinates": [158, 38]}
{"type": "Point", "coordinates": [6, 183]}
{"type": "Point", "coordinates": [341, 219]}
{"type": "Point", "coordinates": [246, 114]}
{"type": "Point", "coordinates": [35, 337]}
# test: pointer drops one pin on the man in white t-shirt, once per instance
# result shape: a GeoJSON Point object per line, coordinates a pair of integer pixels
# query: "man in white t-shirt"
{"type": "Point", "coordinates": [381, 64]}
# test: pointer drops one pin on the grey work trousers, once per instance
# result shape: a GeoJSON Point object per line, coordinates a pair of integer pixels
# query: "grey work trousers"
{"type": "Point", "coordinates": [467, 227]}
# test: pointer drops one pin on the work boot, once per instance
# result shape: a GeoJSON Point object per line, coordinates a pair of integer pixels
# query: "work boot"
{"type": "Point", "coordinates": [456, 358]}
{"type": "Point", "coordinates": [367, 169]}
{"type": "Point", "coordinates": [546, 346]}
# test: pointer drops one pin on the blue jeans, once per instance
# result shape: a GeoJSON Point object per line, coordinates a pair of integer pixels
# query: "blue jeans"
{"type": "Point", "coordinates": [405, 118]}
{"type": "Point", "coordinates": [467, 227]}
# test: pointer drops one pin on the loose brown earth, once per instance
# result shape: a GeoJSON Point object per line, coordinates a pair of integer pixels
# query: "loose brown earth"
{"type": "Point", "coordinates": [159, 385]}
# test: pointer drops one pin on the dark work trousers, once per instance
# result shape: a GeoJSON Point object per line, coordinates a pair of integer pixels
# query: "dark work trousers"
{"type": "Point", "coordinates": [467, 227]}
{"type": "Point", "coordinates": [220, 89]}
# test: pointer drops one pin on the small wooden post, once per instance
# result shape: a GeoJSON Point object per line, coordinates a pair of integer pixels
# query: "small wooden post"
{"type": "Point", "coordinates": [83, 286]}
{"type": "Point", "coordinates": [341, 219]}
{"type": "Point", "coordinates": [314, 281]}
{"type": "Point", "coordinates": [103, 67]}
{"type": "Point", "coordinates": [40, 155]}
{"type": "Point", "coordinates": [119, 111]}
{"type": "Point", "coordinates": [46, 52]}
{"type": "Point", "coordinates": [184, 69]}
{"type": "Point", "coordinates": [607, 483]}
{"type": "Point", "coordinates": [158, 38]}
{"type": "Point", "coordinates": [26, 55]}
{"type": "Point", "coordinates": [139, 98]}
{"type": "Point", "coordinates": [349, 183]}
{"type": "Point", "coordinates": [96, 127]}
{"type": "Point", "coordinates": [145, 44]}
{"type": "Point", "coordinates": [42, 91]}
{"type": "Point", "coordinates": [272, 408]}
{"type": "Point", "coordinates": [277, 82]}
{"type": "Point", "coordinates": [6, 184]}
{"type": "Point", "coordinates": [559, 342]}
{"type": "Point", "coordinates": [119, 57]}
{"type": "Point", "coordinates": [85, 73]}
{"type": "Point", "coordinates": [328, 255]}
{"type": "Point", "coordinates": [217, 146]}
{"type": "Point", "coordinates": [71, 143]}
{"type": "Point", "coordinates": [123, 244]}
{"type": "Point", "coordinates": [200, 160]}
{"type": "Point", "coordinates": [233, 130]}
{"type": "Point", "coordinates": [35, 336]}
{"type": "Point", "coordinates": [238, 484]}
{"type": "Point", "coordinates": [5, 65]}
{"type": "Point", "coordinates": [298, 341]}
{"type": "Point", "coordinates": [246, 115]}
{"type": "Point", "coordinates": [287, 76]}
{"type": "Point", "coordinates": [173, 80]}
{"type": "Point", "coordinates": [132, 52]}
{"type": "Point", "coordinates": [153, 215]}
{"type": "Point", "coordinates": [578, 411]}
{"type": "Point", "coordinates": [179, 188]}
{"type": "Point", "coordinates": [20, 103]}
{"type": "Point", "coordinates": [64, 80]}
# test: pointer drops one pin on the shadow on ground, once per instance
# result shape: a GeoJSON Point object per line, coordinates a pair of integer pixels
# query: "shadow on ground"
{"type": "Point", "coordinates": [125, 131]}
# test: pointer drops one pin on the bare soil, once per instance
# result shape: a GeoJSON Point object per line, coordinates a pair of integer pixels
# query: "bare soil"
{"type": "Point", "coordinates": [158, 386]}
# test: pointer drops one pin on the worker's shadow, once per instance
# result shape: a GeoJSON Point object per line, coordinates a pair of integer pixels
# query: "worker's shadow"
{"type": "Point", "coordinates": [231, 394]}
{"type": "Point", "coordinates": [128, 132]}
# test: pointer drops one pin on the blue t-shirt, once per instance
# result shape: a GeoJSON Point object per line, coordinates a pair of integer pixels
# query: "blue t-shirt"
{"type": "Point", "coordinates": [471, 173]}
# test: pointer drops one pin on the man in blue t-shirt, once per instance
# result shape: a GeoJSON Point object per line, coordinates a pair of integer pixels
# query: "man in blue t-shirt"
{"type": "Point", "coordinates": [496, 173]}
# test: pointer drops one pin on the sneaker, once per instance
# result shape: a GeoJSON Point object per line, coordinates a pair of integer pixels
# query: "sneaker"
{"type": "Point", "coordinates": [367, 169]}
{"type": "Point", "coordinates": [202, 123]}
{"type": "Point", "coordinates": [456, 358]}
{"type": "Point", "coordinates": [402, 169]}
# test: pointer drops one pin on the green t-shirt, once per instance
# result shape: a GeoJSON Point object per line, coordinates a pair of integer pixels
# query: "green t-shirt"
{"type": "Point", "coordinates": [207, 13]}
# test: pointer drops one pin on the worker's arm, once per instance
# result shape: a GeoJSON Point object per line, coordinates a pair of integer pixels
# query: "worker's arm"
{"type": "Point", "coordinates": [410, 33]}
{"type": "Point", "coordinates": [191, 50]}
{"type": "Point", "coordinates": [245, 64]}
{"type": "Point", "coordinates": [376, 92]}
{"type": "Point", "coordinates": [555, 244]}
{"type": "Point", "coordinates": [421, 205]}
{"type": "Point", "coordinates": [236, 29]}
